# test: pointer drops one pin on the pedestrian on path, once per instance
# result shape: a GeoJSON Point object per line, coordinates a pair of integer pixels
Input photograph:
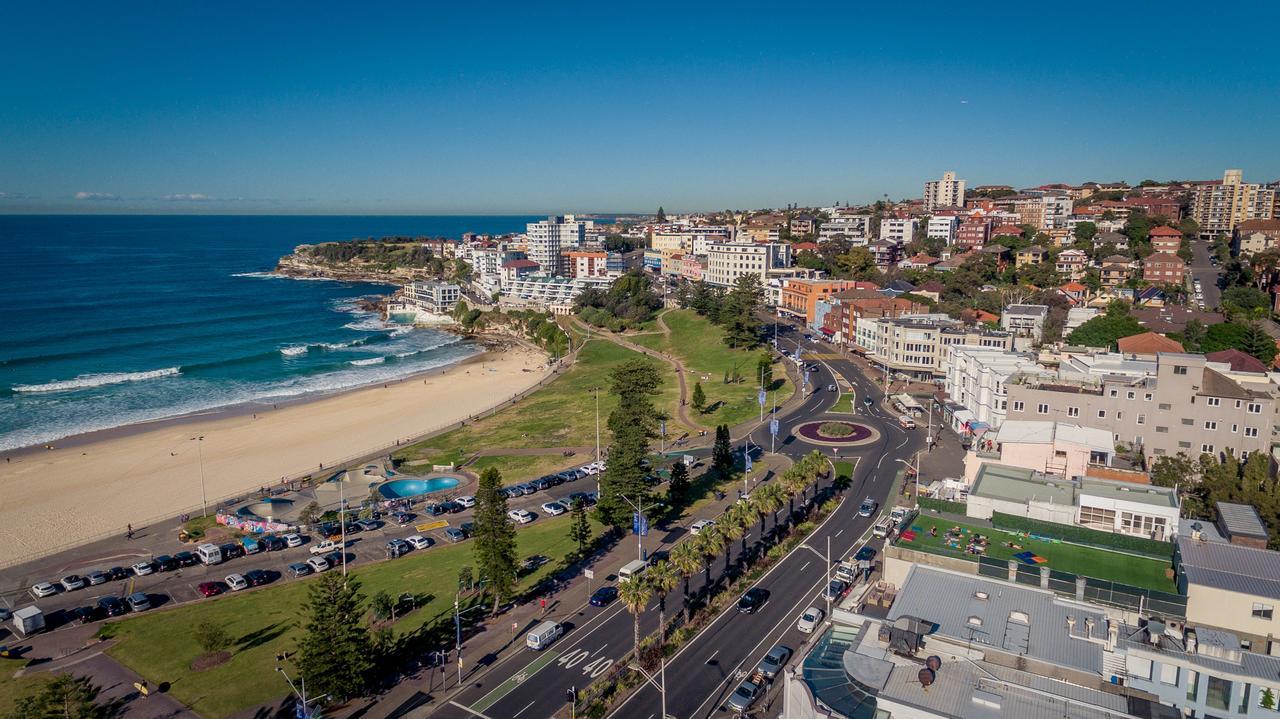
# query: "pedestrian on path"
{"type": "Point", "coordinates": [128, 532]}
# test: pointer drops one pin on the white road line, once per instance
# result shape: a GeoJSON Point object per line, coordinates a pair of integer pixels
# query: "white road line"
{"type": "Point", "coordinates": [601, 649]}
{"type": "Point", "coordinates": [713, 656]}
{"type": "Point", "coordinates": [837, 534]}
{"type": "Point", "coordinates": [526, 706]}
{"type": "Point", "coordinates": [802, 566]}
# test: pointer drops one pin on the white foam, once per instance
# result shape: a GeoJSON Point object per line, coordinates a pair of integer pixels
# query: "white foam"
{"type": "Point", "coordinates": [366, 324]}
{"type": "Point", "coordinates": [368, 361]}
{"type": "Point", "coordinates": [294, 351]}
{"type": "Point", "coordinates": [276, 276]}
{"type": "Point", "coordinates": [97, 380]}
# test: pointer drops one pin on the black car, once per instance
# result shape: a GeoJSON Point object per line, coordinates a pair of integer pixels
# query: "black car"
{"type": "Point", "coordinates": [604, 596]}
{"type": "Point", "coordinates": [272, 544]}
{"type": "Point", "coordinates": [434, 510]}
{"type": "Point", "coordinates": [232, 550]}
{"type": "Point", "coordinates": [256, 577]}
{"type": "Point", "coordinates": [115, 574]}
{"type": "Point", "coordinates": [451, 507]}
{"type": "Point", "coordinates": [403, 518]}
{"type": "Point", "coordinates": [467, 527]}
{"type": "Point", "coordinates": [554, 480]}
{"type": "Point", "coordinates": [865, 554]}
{"type": "Point", "coordinates": [111, 606]}
{"type": "Point", "coordinates": [84, 615]}
{"type": "Point", "coordinates": [541, 484]}
{"type": "Point", "coordinates": [165, 563]}
{"type": "Point", "coordinates": [754, 598]}
{"type": "Point", "coordinates": [186, 559]}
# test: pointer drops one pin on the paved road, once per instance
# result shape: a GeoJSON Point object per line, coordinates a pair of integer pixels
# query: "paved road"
{"type": "Point", "coordinates": [536, 684]}
{"type": "Point", "coordinates": [1204, 271]}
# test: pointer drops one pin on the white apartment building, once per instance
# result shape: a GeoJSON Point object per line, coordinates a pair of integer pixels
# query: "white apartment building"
{"type": "Point", "coordinates": [916, 345]}
{"type": "Point", "coordinates": [727, 261]}
{"type": "Point", "coordinates": [1220, 207]}
{"type": "Point", "coordinates": [543, 290]}
{"type": "Point", "coordinates": [947, 192]}
{"type": "Point", "coordinates": [976, 376]}
{"type": "Point", "coordinates": [942, 228]}
{"type": "Point", "coordinates": [434, 297]}
{"type": "Point", "coordinates": [852, 227]}
{"type": "Point", "coordinates": [898, 230]}
{"type": "Point", "coordinates": [1025, 320]}
{"type": "Point", "coordinates": [1057, 210]}
{"type": "Point", "coordinates": [548, 238]}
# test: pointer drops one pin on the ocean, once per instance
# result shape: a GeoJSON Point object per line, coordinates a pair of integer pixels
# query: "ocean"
{"type": "Point", "coordinates": [115, 320]}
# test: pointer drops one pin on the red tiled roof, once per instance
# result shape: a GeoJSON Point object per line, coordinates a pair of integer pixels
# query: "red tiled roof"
{"type": "Point", "coordinates": [519, 263]}
{"type": "Point", "coordinates": [1163, 257]}
{"type": "Point", "coordinates": [1148, 343]}
{"type": "Point", "coordinates": [1239, 361]}
{"type": "Point", "coordinates": [803, 246]}
{"type": "Point", "coordinates": [1073, 287]}
{"type": "Point", "coordinates": [1007, 230]}
{"type": "Point", "coordinates": [1164, 231]}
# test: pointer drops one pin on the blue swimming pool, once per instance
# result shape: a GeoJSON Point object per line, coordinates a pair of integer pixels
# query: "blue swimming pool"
{"type": "Point", "coordinates": [405, 488]}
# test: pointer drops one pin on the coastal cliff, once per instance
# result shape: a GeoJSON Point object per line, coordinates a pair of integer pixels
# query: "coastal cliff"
{"type": "Point", "coordinates": [307, 261]}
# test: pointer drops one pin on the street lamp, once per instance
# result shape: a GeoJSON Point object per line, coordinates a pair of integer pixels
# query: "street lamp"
{"type": "Point", "coordinates": [827, 559]}
{"type": "Point", "coordinates": [639, 510]}
{"type": "Point", "coordinates": [301, 694]}
{"type": "Point", "coordinates": [204, 497]}
{"type": "Point", "coordinates": [596, 390]}
{"type": "Point", "coordinates": [660, 684]}
{"type": "Point", "coordinates": [917, 468]}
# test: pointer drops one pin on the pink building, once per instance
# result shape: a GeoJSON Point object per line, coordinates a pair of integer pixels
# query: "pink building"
{"type": "Point", "coordinates": [1043, 446]}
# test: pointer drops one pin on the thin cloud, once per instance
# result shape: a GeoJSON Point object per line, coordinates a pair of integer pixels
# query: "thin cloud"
{"type": "Point", "coordinates": [96, 196]}
{"type": "Point", "coordinates": [189, 197]}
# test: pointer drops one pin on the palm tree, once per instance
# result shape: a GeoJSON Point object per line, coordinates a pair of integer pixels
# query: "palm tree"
{"type": "Point", "coordinates": [687, 558]}
{"type": "Point", "coordinates": [710, 541]}
{"type": "Point", "coordinates": [662, 577]}
{"type": "Point", "coordinates": [767, 500]}
{"type": "Point", "coordinates": [635, 593]}
{"type": "Point", "coordinates": [732, 527]}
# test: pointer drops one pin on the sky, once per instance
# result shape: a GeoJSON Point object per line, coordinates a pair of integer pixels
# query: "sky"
{"type": "Point", "coordinates": [464, 108]}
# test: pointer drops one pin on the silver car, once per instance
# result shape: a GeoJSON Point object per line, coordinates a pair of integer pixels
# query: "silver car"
{"type": "Point", "coordinates": [744, 696]}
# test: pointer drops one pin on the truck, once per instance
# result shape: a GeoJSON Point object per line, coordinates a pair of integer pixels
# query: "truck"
{"type": "Point", "coordinates": [28, 620]}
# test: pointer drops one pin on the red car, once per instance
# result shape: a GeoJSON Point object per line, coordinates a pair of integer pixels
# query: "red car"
{"type": "Point", "coordinates": [209, 589]}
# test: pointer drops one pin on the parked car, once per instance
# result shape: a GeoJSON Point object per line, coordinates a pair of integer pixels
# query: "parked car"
{"type": "Point", "coordinates": [368, 524]}
{"type": "Point", "coordinates": [867, 508]}
{"type": "Point", "coordinates": [520, 516]}
{"type": "Point", "coordinates": [744, 696]}
{"type": "Point", "coordinates": [299, 569]}
{"type": "Point", "coordinates": [97, 577]}
{"type": "Point", "coordinates": [835, 589]}
{"type": "Point", "coordinates": [111, 606]}
{"type": "Point", "coordinates": [186, 559]}
{"type": "Point", "coordinates": [753, 599]}
{"type": "Point", "coordinates": [84, 615]}
{"type": "Point", "coordinates": [774, 661]}
{"type": "Point", "coordinates": [139, 602]}
{"type": "Point", "coordinates": [116, 574]}
{"type": "Point", "coordinates": [541, 484]}
{"type": "Point", "coordinates": [397, 547]}
{"type": "Point", "coordinates": [466, 500]}
{"type": "Point", "coordinates": [209, 589]}
{"type": "Point", "coordinates": [417, 541]}
{"type": "Point", "coordinates": [554, 509]}
{"type": "Point", "coordinates": [72, 582]}
{"type": "Point", "coordinates": [293, 540]}
{"type": "Point", "coordinates": [810, 620]}
{"type": "Point", "coordinates": [324, 547]}
{"type": "Point", "coordinates": [236, 582]}
{"type": "Point", "coordinates": [271, 543]}
{"type": "Point", "coordinates": [232, 550]}
{"type": "Point", "coordinates": [402, 518]}
{"type": "Point", "coordinates": [700, 525]}
{"type": "Point", "coordinates": [604, 596]}
{"type": "Point", "coordinates": [256, 577]}
{"type": "Point", "coordinates": [468, 528]}
{"type": "Point", "coordinates": [866, 554]}
{"type": "Point", "coordinates": [318, 564]}
{"type": "Point", "coordinates": [142, 569]}
{"type": "Point", "coordinates": [43, 589]}
{"type": "Point", "coordinates": [165, 563]}
{"type": "Point", "coordinates": [453, 534]}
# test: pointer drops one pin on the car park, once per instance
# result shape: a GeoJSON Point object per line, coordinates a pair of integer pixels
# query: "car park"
{"type": "Point", "coordinates": [700, 525]}
{"type": "Point", "coordinates": [318, 564]}
{"type": "Point", "coordinates": [520, 516]}
{"type": "Point", "coordinates": [773, 662]}
{"type": "Point", "coordinates": [236, 582]}
{"type": "Point", "coordinates": [744, 696]}
{"type": "Point", "coordinates": [111, 606]}
{"type": "Point", "coordinates": [97, 577]}
{"type": "Point", "coordinates": [139, 602]}
{"type": "Point", "coordinates": [453, 534]}
{"type": "Point", "coordinates": [256, 577]}
{"type": "Point", "coordinates": [867, 508]}
{"type": "Point", "coordinates": [299, 569]}
{"type": "Point", "coordinates": [554, 509]}
{"type": "Point", "coordinates": [604, 596]}
{"type": "Point", "coordinates": [752, 599]}
{"type": "Point", "coordinates": [43, 589]}
{"type": "Point", "coordinates": [72, 582]}
{"type": "Point", "coordinates": [417, 541]}
{"type": "Point", "coordinates": [466, 500]}
{"type": "Point", "coordinates": [293, 540]}
{"type": "Point", "coordinates": [209, 589]}
{"type": "Point", "coordinates": [810, 620]}
{"type": "Point", "coordinates": [142, 569]}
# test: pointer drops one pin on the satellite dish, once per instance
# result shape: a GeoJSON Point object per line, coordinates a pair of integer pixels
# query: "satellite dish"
{"type": "Point", "coordinates": [926, 677]}
{"type": "Point", "coordinates": [934, 663]}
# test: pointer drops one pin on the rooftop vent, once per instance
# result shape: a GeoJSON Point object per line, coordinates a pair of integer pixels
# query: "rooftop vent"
{"type": "Point", "coordinates": [981, 596]}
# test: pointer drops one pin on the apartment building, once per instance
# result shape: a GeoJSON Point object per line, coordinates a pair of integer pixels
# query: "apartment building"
{"type": "Point", "coordinates": [1062, 448]}
{"type": "Point", "coordinates": [885, 252]}
{"type": "Point", "coordinates": [839, 314]}
{"type": "Point", "coordinates": [578, 263]}
{"type": "Point", "coordinates": [973, 232]}
{"type": "Point", "coordinates": [1071, 263]}
{"type": "Point", "coordinates": [851, 227]}
{"type": "Point", "coordinates": [1187, 404]}
{"type": "Point", "coordinates": [1116, 270]}
{"type": "Point", "coordinates": [1253, 236]}
{"type": "Point", "coordinates": [916, 346]}
{"type": "Point", "coordinates": [1220, 207]}
{"type": "Point", "coordinates": [727, 261]}
{"type": "Point", "coordinates": [942, 227]}
{"type": "Point", "coordinates": [1025, 320]}
{"type": "Point", "coordinates": [1164, 268]}
{"type": "Point", "coordinates": [799, 297]}
{"type": "Point", "coordinates": [976, 378]}
{"type": "Point", "coordinates": [898, 230]}
{"type": "Point", "coordinates": [947, 192]}
{"type": "Point", "coordinates": [1055, 211]}
{"type": "Point", "coordinates": [438, 298]}
{"type": "Point", "coordinates": [1032, 255]}
{"type": "Point", "coordinates": [547, 239]}
{"type": "Point", "coordinates": [555, 293]}
{"type": "Point", "coordinates": [513, 270]}
{"type": "Point", "coordinates": [1165, 239]}
{"type": "Point", "coordinates": [801, 225]}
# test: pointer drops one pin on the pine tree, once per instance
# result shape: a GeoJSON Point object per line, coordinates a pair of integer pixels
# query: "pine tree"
{"type": "Point", "coordinates": [63, 697]}
{"type": "Point", "coordinates": [738, 315]}
{"type": "Point", "coordinates": [1256, 342]}
{"type": "Point", "coordinates": [634, 425]}
{"type": "Point", "coordinates": [333, 655]}
{"type": "Point", "coordinates": [679, 485]}
{"type": "Point", "coordinates": [764, 370]}
{"type": "Point", "coordinates": [722, 452]}
{"type": "Point", "coordinates": [699, 399]}
{"type": "Point", "coordinates": [662, 214]}
{"type": "Point", "coordinates": [580, 528]}
{"type": "Point", "coordinates": [494, 537]}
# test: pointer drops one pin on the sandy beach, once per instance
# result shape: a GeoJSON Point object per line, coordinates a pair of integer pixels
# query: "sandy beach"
{"type": "Point", "coordinates": [88, 487]}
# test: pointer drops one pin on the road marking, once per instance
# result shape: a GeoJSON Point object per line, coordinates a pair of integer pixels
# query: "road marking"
{"type": "Point", "coordinates": [802, 566]}
{"type": "Point", "coordinates": [516, 680]}
{"type": "Point", "coordinates": [837, 534]}
{"type": "Point", "coordinates": [601, 649]}
{"type": "Point", "coordinates": [468, 709]}
{"type": "Point", "coordinates": [713, 656]}
{"type": "Point", "coordinates": [526, 706]}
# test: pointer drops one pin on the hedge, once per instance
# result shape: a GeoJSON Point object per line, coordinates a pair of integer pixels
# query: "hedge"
{"type": "Point", "coordinates": [942, 505]}
{"type": "Point", "coordinates": [1082, 535]}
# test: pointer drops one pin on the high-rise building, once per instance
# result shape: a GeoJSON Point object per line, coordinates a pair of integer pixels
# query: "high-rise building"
{"type": "Point", "coordinates": [727, 261]}
{"type": "Point", "coordinates": [1219, 207]}
{"type": "Point", "coordinates": [947, 192]}
{"type": "Point", "coordinates": [547, 238]}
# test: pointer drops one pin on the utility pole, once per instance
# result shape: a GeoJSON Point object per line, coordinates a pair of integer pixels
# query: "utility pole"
{"type": "Point", "coordinates": [302, 695]}
{"type": "Point", "coordinates": [342, 519]}
{"type": "Point", "coordinates": [917, 468]}
{"type": "Point", "coordinates": [204, 496]}
{"type": "Point", "coordinates": [660, 684]}
{"type": "Point", "coordinates": [597, 392]}
{"type": "Point", "coordinates": [457, 635]}
{"type": "Point", "coordinates": [639, 510]}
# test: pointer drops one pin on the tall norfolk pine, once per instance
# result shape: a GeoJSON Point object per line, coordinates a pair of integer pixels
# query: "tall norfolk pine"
{"type": "Point", "coordinates": [494, 537]}
{"type": "Point", "coordinates": [634, 424]}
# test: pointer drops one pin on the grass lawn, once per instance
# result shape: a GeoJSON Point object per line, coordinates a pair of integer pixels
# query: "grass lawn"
{"type": "Point", "coordinates": [160, 647]}
{"type": "Point", "coordinates": [700, 346]}
{"type": "Point", "coordinates": [517, 468]}
{"type": "Point", "coordinates": [561, 414]}
{"type": "Point", "coordinates": [1090, 562]}
{"type": "Point", "coordinates": [11, 688]}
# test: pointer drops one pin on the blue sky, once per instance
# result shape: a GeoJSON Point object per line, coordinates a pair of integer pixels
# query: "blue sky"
{"type": "Point", "coordinates": [540, 107]}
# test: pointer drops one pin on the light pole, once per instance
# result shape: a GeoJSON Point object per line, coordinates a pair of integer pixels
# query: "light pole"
{"type": "Point", "coordinates": [597, 392]}
{"type": "Point", "coordinates": [639, 510]}
{"type": "Point", "coordinates": [342, 520]}
{"type": "Point", "coordinates": [301, 694]}
{"type": "Point", "coordinates": [660, 684]}
{"type": "Point", "coordinates": [917, 468]}
{"type": "Point", "coordinates": [457, 635]}
{"type": "Point", "coordinates": [204, 496]}
{"type": "Point", "coordinates": [827, 558]}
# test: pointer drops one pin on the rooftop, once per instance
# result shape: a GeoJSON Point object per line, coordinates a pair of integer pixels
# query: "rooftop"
{"type": "Point", "coordinates": [1016, 484]}
{"type": "Point", "coordinates": [1241, 520]}
{"type": "Point", "coordinates": [1130, 492]}
{"type": "Point", "coordinates": [1239, 361]}
{"type": "Point", "coordinates": [1045, 432]}
{"type": "Point", "coordinates": [1230, 567]}
{"type": "Point", "coordinates": [1027, 310]}
{"type": "Point", "coordinates": [1148, 343]}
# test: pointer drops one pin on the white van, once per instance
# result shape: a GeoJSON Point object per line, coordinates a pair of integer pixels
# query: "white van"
{"type": "Point", "coordinates": [632, 569]}
{"type": "Point", "coordinates": [883, 527]}
{"type": "Point", "coordinates": [209, 554]}
{"type": "Point", "coordinates": [906, 422]}
{"type": "Point", "coordinates": [542, 635]}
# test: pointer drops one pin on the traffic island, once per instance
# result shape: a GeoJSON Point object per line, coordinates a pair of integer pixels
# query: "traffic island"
{"type": "Point", "coordinates": [837, 433]}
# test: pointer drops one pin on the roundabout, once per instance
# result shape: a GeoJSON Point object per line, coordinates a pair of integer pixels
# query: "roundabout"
{"type": "Point", "coordinates": [836, 433]}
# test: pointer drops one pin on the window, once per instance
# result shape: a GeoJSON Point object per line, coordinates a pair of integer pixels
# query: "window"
{"type": "Point", "coordinates": [1098, 517]}
{"type": "Point", "coordinates": [1214, 402]}
{"type": "Point", "coordinates": [1184, 445]}
{"type": "Point", "coordinates": [1179, 369]}
{"type": "Point", "coordinates": [1193, 685]}
{"type": "Point", "coordinates": [1169, 674]}
{"type": "Point", "coordinates": [1162, 430]}
{"type": "Point", "coordinates": [1262, 611]}
{"type": "Point", "coordinates": [1129, 394]}
{"type": "Point", "coordinates": [1115, 393]}
{"type": "Point", "coordinates": [1251, 431]}
{"type": "Point", "coordinates": [1146, 397]}
{"type": "Point", "coordinates": [1217, 694]}
{"type": "Point", "coordinates": [1042, 409]}
{"type": "Point", "coordinates": [1206, 448]}
{"type": "Point", "coordinates": [1142, 419]}
{"type": "Point", "coordinates": [1255, 408]}
{"type": "Point", "coordinates": [1188, 421]}
{"type": "Point", "coordinates": [1210, 425]}
{"type": "Point", "coordinates": [1102, 414]}
{"type": "Point", "coordinates": [1235, 428]}
{"type": "Point", "coordinates": [1165, 407]}
{"type": "Point", "coordinates": [1073, 411]}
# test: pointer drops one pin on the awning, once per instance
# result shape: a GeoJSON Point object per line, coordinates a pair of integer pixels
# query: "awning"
{"type": "Point", "coordinates": [908, 401]}
{"type": "Point", "coordinates": [826, 331]}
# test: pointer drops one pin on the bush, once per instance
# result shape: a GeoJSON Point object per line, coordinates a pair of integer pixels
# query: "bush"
{"type": "Point", "coordinates": [1082, 535]}
{"type": "Point", "coordinates": [942, 505]}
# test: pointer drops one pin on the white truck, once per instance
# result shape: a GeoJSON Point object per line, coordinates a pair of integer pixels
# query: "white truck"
{"type": "Point", "coordinates": [28, 620]}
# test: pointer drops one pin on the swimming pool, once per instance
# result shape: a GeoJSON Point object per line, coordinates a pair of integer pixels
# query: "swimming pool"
{"type": "Point", "coordinates": [405, 488]}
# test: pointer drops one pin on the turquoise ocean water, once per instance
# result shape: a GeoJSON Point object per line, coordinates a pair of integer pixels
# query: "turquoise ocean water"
{"type": "Point", "coordinates": [114, 320]}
